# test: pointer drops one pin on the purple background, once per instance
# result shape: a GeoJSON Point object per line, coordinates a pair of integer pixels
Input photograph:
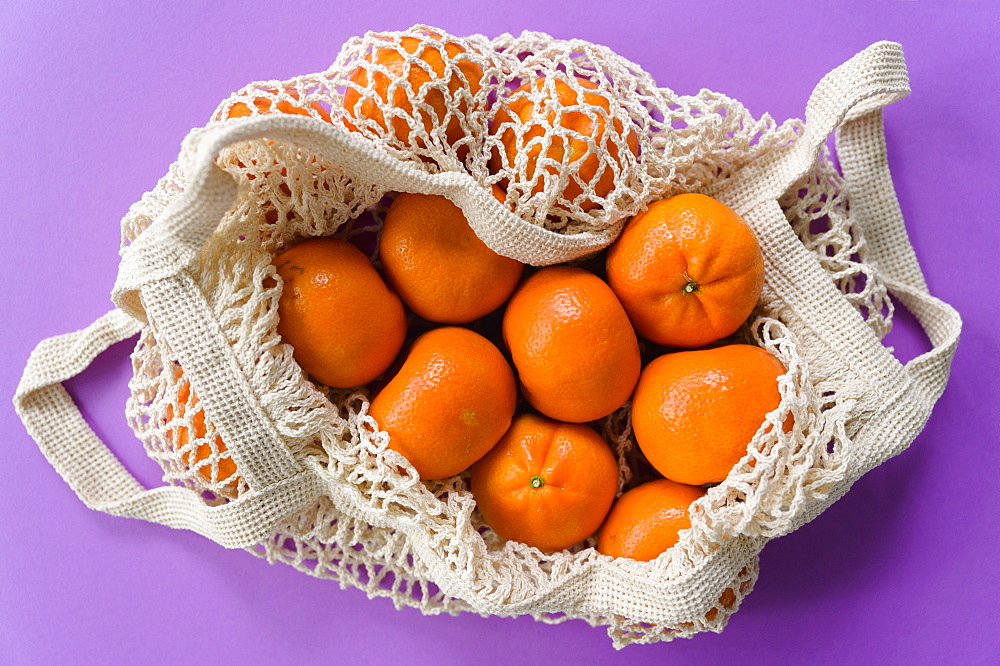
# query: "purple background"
{"type": "Point", "coordinates": [96, 98]}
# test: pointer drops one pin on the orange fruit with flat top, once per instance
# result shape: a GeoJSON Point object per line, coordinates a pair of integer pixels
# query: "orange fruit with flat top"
{"type": "Point", "coordinates": [647, 520]}
{"type": "Point", "coordinates": [575, 351]}
{"type": "Point", "coordinates": [417, 82]}
{"type": "Point", "coordinates": [695, 412]}
{"type": "Point", "coordinates": [344, 323]}
{"type": "Point", "coordinates": [438, 265]}
{"type": "Point", "coordinates": [548, 125]}
{"type": "Point", "coordinates": [546, 483]}
{"type": "Point", "coordinates": [688, 270]}
{"type": "Point", "coordinates": [451, 401]}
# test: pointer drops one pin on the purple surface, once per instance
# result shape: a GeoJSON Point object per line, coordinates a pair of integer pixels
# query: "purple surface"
{"type": "Point", "coordinates": [96, 100]}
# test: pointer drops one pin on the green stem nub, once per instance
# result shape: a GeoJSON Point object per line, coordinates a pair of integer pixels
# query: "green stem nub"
{"type": "Point", "coordinates": [691, 285]}
{"type": "Point", "coordinates": [536, 481]}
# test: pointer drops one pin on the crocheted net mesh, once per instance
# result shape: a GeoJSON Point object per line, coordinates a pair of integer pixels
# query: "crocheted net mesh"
{"type": "Point", "coordinates": [683, 143]}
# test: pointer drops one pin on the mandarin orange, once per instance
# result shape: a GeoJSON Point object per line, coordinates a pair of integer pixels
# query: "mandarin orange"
{"type": "Point", "coordinates": [344, 323]}
{"type": "Point", "coordinates": [688, 270]}
{"type": "Point", "coordinates": [262, 105]}
{"type": "Point", "coordinates": [575, 351]}
{"type": "Point", "coordinates": [695, 412]}
{"type": "Point", "coordinates": [437, 263]}
{"type": "Point", "coordinates": [546, 483]}
{"type": "Point", "coordinates": [451, 401]}
{"type": "Point", "coordinates": [211, 459]}
{"type": "Point", "coordinates": [646, 520]}
{"type": "Point", "coordinates": [524, 126]}
{"type": "Point", "coordinates": [426, 83]}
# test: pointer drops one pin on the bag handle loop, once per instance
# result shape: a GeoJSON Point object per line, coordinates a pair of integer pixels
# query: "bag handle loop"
{"type": "Point", "coordinates": [99, 479]}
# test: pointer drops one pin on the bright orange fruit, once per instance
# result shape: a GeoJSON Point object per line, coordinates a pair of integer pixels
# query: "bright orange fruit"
{"type": "Point", "coordinates": [213, 463]}
{"type": "Point", "coordinates": [451, 401]}
{"type": "Point", "coordinates": [695, 412]}
{"type": "Point", "coordinates": [546, 483]}
{"type": "Point", "coordinates": [413, 76]}
{"type": "Point", "coordinates": [263, 105]}
{"type": "Point", "coordinates": [688, 270]}
{"type": "Point", "coordinates": [345, 325]}
{"type": "Point", "coordinates": [575, 351]}
{"type": "Point", "coordinates": [438, 265]}
{"type": "Point", "coordinates": [647, 519]}
{"type": "Point", "coordinates": [561, 106]}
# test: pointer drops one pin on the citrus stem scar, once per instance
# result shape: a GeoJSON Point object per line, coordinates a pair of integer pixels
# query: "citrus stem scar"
{"type": "Point", "coordinates": [691, 285]}
{"type": "Point", "coordinates": [537, 482]}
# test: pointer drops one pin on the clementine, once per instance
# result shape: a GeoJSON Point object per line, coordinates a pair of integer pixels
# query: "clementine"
{"type": "Point", "coordinates": [451, 401]}
{"type": "Point", "coordinates": [647, 519]}
{"type": "Point", "coordinates": [694, 412]}
{"type": "Point", "coordinates": [688, 270]}
{"type": "Point", "coordinates": [572, 344]}
{"type": "Point", "coordinates": [345, 325]}
{"type": "Point", "coordinates": [263, 105]}
{"type": "Point", "coordinates": [547, 484]}
{"type": "Point", "coordinates": [211, 460]}
{"type": "Point", "coordinates": [418, 82]}
{"type": "Point", "coordinates": [438, 265]}
{"type": "Point", "coordinates": [527, 128]}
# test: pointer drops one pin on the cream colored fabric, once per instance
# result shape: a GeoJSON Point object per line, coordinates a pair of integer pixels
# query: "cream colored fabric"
{"type": "Point", "coordinates": [315, 485]}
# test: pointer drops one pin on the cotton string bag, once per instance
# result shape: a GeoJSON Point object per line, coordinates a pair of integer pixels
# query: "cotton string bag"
{"type": "Point", "coordinates": [255, 455]}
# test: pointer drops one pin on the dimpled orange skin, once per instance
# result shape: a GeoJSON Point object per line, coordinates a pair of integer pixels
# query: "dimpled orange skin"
{"type": "Point", "coordinates": [688, 271]}
{"type": "Point", "coordinates": [695, 412]}
{"type": "Point", "coordinates": [573, 153]}
{"type": "Point", "coordinates": [438, 265]}
{"type": "Point", "coordinates": [451, 401]}
{"type": "Point", "coordinates": [263, 105]}
{"type": "Point", "coordinates": [344, 323]}
{"type": "Point", "coordinates": [547, 484]}
{"type": "Point", "coordinates": [646, 520]}
{"type": "Point", "coordinates": [575, 351]}
{"type": "Point", "coordinates": [392, 58]}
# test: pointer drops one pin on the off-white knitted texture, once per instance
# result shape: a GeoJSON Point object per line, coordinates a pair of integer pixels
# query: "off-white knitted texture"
{"type": "Point", "coordinates": [316, 486]}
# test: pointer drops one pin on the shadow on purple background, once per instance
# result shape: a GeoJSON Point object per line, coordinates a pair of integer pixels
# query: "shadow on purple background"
{"type": "Point", "coordinates": [97, 100]}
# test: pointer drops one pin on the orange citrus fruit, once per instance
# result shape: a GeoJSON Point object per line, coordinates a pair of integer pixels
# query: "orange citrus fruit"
{"type": "Point", "coordinates": [575, 351]}
{"type": "Point", "coordinates": [646, 520]}
{"type": "Point", "coordinates": [221, 469]}
{"type": "Point", "coordinates": [695, 412]}
{"type": "Point", "coordinates": [546, 483]}
{"type": "Point", "coordinates": [263, 105]}
{"type": "Point", "coordinates": [451, 401]}
{"type": "Point", "coordinates": [688, 270]}
{"type": "Point", "coordinates": [344, 323]}
{"type": "Point", "coordinates": [523, 124]}
{"type": "Point", "coordinates": [425, 81]}
{"type": "Point", "coordinates": [438, 265]}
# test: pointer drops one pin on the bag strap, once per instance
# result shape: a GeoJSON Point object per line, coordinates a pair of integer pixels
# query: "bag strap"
{"type": "Point", "coordinates": [100, 480]}
{"type": "Point", "coordinates": [848, 102]}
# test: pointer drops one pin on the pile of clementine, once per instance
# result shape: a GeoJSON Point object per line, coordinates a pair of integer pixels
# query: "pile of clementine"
{"type": "Point", "coordinates": [479, 364]}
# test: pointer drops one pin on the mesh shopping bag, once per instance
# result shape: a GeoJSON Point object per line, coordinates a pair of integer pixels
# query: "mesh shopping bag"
{"type": "Point", "coordinates": [257, 455]}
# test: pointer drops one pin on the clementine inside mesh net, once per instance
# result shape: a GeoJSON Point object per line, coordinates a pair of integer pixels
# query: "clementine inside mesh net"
{"type": "Point", "coordinates": [344, 323]}
{"type": "Point", "coordinates": [263, 104]}
{"type": "Point", "coordinates": [688, 270]}
{"type": "Point", "coordinates": [526, 128]}
{"type": "Point", "coordinates": [575, 351]}
{"type": "Point", "coordinates": [547, 484]}
{"type": "Point", "coordinates": [646, 520]}
{"type": "Point", "coordinates": [450, 402]}
{"type": "Point", "coordinates": [416, 82]}
{"type": "Point", "coordinates": [437, 263]}
{"type": "Point", "coordinates": [210, 459]}
{"type": "Point", "coordinates": [695, 412]}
